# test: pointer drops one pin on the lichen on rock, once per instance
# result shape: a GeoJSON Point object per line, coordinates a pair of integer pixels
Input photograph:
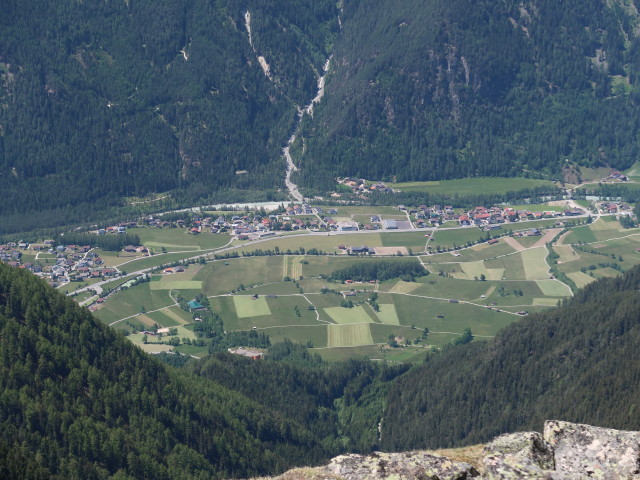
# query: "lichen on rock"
{"type": "Point", "coordinates": [566, 451]}
{"type": "Point", "coordinates": [405, 466]}
{"type": "Point", "coordinates": [594, 451]}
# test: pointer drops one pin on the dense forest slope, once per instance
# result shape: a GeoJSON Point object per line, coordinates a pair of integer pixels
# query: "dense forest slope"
{"type": "Point", "coordinates": [453, 88]}
{"type": "Point", "coordinates": [340, 403]}
{"type": "Point", "coordinates": [78, 400]}
{"type": "Point", "coordinates": [100, 100]}
{"type": "Point", "coordinates": [580, 363]}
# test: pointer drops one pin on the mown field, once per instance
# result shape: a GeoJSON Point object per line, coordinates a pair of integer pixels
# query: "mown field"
{"type": "Point", "coordinates": [480, 287]}
{"type": "Point", "coordinates": [179, 239]}
{"type": "Point", "coordinates": [471, 186]}
{"type": "Point", "coordinates": [601, 249]}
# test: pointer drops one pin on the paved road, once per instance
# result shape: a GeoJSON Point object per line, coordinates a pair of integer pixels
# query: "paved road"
{"type": "Point", "coordinates": [229, 247]}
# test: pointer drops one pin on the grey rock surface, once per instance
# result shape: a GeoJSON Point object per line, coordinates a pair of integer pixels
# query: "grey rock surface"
{"type": "Point", "coordinates": [566, 451]}
{"type": "Point", "coordinates": [524, 445]}
{"type": "Point", "coordinates": [594, 452]}
{"type": "Point", "coordinates": [408, 465]}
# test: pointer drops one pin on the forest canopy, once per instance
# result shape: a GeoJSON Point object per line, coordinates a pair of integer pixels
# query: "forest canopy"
{"type": "Point", "coordinates": [104, 101]}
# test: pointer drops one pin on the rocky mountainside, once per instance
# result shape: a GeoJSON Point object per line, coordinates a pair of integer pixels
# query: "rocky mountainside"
{"type": "Point", "coordinates": [565, 451]}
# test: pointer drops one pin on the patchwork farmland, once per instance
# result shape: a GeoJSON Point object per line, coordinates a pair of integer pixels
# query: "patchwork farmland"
{"type": "Point", "coordinates": [468, 282]}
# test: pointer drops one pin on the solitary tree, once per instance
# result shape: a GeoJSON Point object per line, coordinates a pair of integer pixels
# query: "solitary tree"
{"type": "Point", "coordinates": [466, 337]}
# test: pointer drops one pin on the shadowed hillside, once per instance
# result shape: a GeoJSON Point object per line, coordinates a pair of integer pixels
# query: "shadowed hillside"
{"type": "Point", "coordinates": [579, 362]}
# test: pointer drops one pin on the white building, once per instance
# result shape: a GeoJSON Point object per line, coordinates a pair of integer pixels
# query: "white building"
{"type": "Point", "coordinates": [347, 226]}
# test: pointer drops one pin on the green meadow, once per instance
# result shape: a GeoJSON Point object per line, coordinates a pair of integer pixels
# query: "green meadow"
{"type": "Point", "coordinates": [349, 335]}
{"type": "Point", "coordinates": [480, 287]}
{"type": "Point", "coordinates": [178, 239]}
{"type": "Point", "coordinates": [471, 186]}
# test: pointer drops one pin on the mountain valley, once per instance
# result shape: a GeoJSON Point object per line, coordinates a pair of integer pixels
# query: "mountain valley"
{"type": "Point", "coordinates": [243, 236]}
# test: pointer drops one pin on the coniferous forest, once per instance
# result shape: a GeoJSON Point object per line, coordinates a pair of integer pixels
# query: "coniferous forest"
{"type": "Point", "coordinates": [450, 89]}
{"type": "Point", "coordinates": [78, 400]}
{"type": "Point", "coordinates": [579, 363]}
{"type": "Point", "coordinates": [106, 100]}
{"type": "Point", "coordinates": [102, 100]}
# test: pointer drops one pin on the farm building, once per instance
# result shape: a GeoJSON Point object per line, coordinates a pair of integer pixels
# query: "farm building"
{"type": "Point", "coordinates": [193, 305]}
{"type": "Point", "coordinates": [247, 353]}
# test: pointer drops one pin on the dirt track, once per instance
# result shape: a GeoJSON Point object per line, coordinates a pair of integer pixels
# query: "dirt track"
{"type": "Point", "coordinates": [514, 243]}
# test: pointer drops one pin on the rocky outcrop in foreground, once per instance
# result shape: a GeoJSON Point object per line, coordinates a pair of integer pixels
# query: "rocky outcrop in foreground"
{"type": "Point", "coordinates": [566, 451]}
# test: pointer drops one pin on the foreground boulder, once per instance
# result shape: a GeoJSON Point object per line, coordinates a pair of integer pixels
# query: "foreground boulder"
{"type": "Point", "coordinates": [566, 451]}
{"type": "Point", "coordinates": [409, 465]}
{"type": "Point", "coordinates": [593, 451]}
{"type": "Point", "coordinates": [518, 455]}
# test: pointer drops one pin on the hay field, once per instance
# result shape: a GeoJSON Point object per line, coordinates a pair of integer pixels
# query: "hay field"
{"type": "Point", "coordinates": [476, 269]}
{"type": "Point", "coordinates": [247, 307]}
{"type": "Point", "coordinates": [581, 279]}
{"type": "Point", "coordinates": [349, 335]}
{"type": "Point", "coordinates": [566, 253]}
{"type": "Point", "coordinates": [553, 288]}
{"type": "Point", "coordinates": [404, 287]}
{"type": "Point", "coordinates": [535, 266]}
{"type": "Point", "coordinates": [168, 283]}
{"type": "Point", "coordinates": [344, 315]}
{"type": "Point", "coordinates": [388, 314]}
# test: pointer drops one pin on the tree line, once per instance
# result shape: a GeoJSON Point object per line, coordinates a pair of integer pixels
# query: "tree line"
{"type": "Point", "coordinates": [380, 270]}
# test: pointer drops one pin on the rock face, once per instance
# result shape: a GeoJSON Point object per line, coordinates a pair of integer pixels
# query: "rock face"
{"type": "Point", "coordinates": [598, 452]}
{"type": "Point", "coordinates": [566, 451]}
{"type": "Point", "coordinates": [408, 465]}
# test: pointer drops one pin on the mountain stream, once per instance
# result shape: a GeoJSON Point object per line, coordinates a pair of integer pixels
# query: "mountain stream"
{"type": "Point", "coordinates": [308, 110]}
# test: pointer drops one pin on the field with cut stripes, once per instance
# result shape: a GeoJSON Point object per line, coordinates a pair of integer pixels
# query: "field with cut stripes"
{"type": "Point", "coordinates": [349, 335]}
{"type": "Point", "coordinates": [480, 286]}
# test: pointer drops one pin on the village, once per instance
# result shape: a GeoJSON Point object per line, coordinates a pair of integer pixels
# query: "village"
{"type": "Point", "coordinates": [268, 270]}
{"type": "Point", "coordinates": [60, 263]}
{"type": "Point", "coordinates": [57, 264]}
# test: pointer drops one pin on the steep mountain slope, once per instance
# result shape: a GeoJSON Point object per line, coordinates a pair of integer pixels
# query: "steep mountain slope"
{"type": "Point", "coordinates": [79, 401]}
{"type": "Point", "coordinates": [340, 403]}
{"type": "Point", "coordinates": [580, 363]}
{"type": "Point", "coordinates": [453, 88]}
{"type": "Point", "coordinates": [100, 100]}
